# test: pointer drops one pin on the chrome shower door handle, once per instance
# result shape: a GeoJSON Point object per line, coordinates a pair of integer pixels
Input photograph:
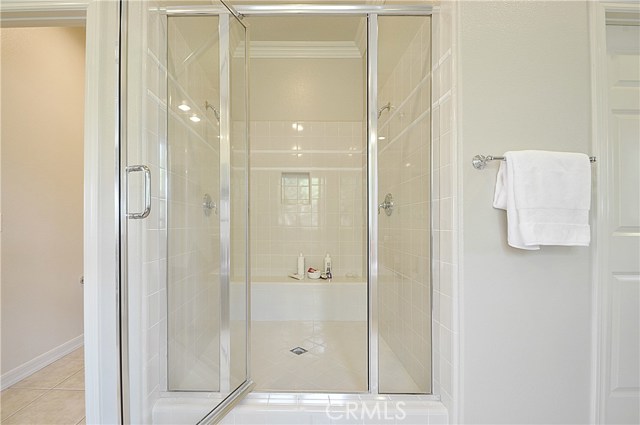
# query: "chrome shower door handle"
{"type": "Point", "coordinates": [147, 190]}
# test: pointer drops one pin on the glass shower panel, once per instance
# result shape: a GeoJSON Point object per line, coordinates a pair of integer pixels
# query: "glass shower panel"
{"type": "Point", "coordinates": [308, 195]}
{"type": "Point", "coordinates": [194, 273]}
{"type": "Point", "coordinates": [404, 177]}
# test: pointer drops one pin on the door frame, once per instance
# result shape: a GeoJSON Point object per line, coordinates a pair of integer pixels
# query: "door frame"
{"type": "Point", "coordinates": [603, 180]}
{"type": "Point", "coordinates": [101, 262]}
{"type": "Point", "coordinates": [45, 13]}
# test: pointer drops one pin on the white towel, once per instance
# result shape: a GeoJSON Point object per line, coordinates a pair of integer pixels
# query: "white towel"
{"type": "Point", "coordinates": [547, 196]}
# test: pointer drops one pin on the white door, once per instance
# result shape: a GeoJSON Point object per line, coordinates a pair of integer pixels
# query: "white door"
{"type": "Point", "coordinates": [620, 400]}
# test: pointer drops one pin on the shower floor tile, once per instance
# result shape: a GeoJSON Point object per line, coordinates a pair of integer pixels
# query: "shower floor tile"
{"type": "Point", "coordinates": [335, 361]}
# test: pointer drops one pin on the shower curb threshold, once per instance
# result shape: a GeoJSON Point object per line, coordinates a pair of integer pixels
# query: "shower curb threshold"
{"type": "Point", "coordinates": [308, 408]}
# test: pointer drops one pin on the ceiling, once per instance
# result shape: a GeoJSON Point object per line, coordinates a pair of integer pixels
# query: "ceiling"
{"type": "Point", "coordinates": [304, 28]}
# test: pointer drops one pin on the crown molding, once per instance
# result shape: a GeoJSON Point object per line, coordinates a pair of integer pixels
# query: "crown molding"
{"type": "Point", "coordinates": [629, 16]}
{"type": "Point", "coordinates": [301, 50]}
{"type": "Point", "coordinates": [361, 36]}
{"type": "Point", "coordinates": [43, 13]}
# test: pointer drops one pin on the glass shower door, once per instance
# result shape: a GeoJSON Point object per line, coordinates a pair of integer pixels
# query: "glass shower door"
{"type": "Point", "coordinates": [184, 291]}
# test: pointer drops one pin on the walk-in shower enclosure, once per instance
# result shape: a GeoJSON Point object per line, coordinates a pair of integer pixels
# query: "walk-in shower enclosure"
{"type": "Point", "coordinates": [240, 152]}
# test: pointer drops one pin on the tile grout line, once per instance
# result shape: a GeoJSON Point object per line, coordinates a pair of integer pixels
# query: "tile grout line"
{"type": "Point", "coordinates": [28, 404]}
{"type": "Point", "coordinates": [66, 379]}
{"type": "Point", "coordinates": [46, 391]}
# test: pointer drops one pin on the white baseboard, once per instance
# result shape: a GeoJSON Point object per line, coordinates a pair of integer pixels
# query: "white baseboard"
{"type": "Point", "coordinates": [34, 365]}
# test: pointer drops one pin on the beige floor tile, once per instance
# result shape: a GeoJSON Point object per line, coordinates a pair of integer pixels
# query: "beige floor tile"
{"type": "Point", "coordinates": [55, 407]}
{"type": "Point", "coordinates": [74, 382]}
{"type": "Point", "coordinates": [52, 375]}
{"type": "Point", "coordinates": [14, 399]}
{"type": "Point", "coordinates": [82, 422]}
{"type": "Point", "coordinates": [77, 354]}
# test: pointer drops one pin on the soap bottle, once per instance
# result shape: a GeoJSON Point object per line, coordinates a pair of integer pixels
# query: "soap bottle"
{"type": "Point", "coordinates": [327, 266]}
{"type": "Point", "coordinates": [301, 265]}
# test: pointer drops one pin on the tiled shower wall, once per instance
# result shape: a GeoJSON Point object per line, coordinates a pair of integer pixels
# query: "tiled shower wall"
{"type": "Point", "coordinates": [405, 172]}
{"type": "Point", "coordinates": [151, 351]}
{"type": "Point", "coordinates": [307, 181]}
{"type": "Point", "coordinates": [445, 205]}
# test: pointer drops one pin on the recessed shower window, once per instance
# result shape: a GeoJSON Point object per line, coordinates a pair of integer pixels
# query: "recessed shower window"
{"type": "Point", "coordinates": [296, 188]}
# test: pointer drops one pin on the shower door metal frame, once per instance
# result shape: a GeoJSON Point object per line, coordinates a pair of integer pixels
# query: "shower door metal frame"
{"type": "Point", "coordinates": [372, 197]}
{"type": "Point", "coordinates": [307, 10]}
{"type": "Point", "coordinates": [224, 204]}
{"type": "Point", "coordinates": [371, 13]}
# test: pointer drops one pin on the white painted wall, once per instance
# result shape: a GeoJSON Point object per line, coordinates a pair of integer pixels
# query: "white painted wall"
{"type": "Point", "coordinates": [307, 89]}
{"type": "Point", "coordinates": [524, 84]}
{"type": "Point", "coordinates": [42, 184]}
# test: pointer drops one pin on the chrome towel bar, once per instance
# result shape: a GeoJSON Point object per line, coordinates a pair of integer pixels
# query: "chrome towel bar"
{"type": "Point", "coordinates": [479, 162]}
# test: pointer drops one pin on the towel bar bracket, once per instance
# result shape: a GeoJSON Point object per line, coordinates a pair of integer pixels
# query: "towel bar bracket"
{"type": "Point", "coordinates": [479, 162]}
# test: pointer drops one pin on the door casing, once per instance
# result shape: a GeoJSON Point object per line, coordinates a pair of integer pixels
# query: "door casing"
{"type": "Point", "coordinates": [600, 246]}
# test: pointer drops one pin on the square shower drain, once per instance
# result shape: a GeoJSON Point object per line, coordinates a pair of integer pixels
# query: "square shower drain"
{"type": "Point", "coordinates": [298, 350]}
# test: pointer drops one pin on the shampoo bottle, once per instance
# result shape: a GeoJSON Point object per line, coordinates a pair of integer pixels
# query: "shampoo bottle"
{"type": "Point", "coordinates": [301, 265]}
{"type": "Point", "coordinates": [327, 266]}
